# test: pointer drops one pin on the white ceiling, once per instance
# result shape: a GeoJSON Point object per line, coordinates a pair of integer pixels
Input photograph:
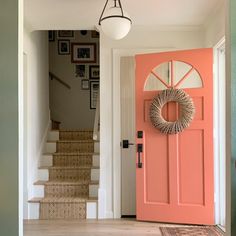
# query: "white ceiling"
{"type": "Point", "coordinates": [84, 14]}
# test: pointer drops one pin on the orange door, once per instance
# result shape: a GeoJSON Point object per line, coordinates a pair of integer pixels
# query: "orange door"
{"type": "Point", "coordinates": [175, 180]}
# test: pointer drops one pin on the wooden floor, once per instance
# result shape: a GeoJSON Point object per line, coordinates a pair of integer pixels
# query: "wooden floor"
{"type": "Point", "coordinates": [90, 228]}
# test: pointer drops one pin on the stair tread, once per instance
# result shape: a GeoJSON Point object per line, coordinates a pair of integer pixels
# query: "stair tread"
{"type": "Point", "coordinates": [83, 130]}
{"type": "Point", "coordinates": [63, 199]}
{"type": "Point", "coordinates": [76, 141]}
{"type": "Point", "coordinates": [71, 153]}
{"type": "Point", "coordinates": [35, 200]}
{"type": "Point", "coordinates": [68, 167]}
{"type": "Point", "coordinates": [54, 182]}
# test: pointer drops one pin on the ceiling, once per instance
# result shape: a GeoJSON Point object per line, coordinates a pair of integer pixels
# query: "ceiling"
{"type": "Point", "coordinates": [84, 14]}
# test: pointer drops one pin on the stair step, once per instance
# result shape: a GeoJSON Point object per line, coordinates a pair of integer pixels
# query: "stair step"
{"type": "Point", "coordinates": [35, 200]}
{"type": "Point", "coordinates": [74, 141]}
{"type": "Point", "coordinates": [40, 199]}
{"type": "Point", "coordinates": [72, 153]}
{"type": "Point", "coordinates": [72, 160]}
{"type": "Point", "coordinates": [41, 182]}
{"type": "Point", "coordinates": [67, 167]}
{"type": "Point", "coordinates": [63, 208]}
{"type": "Point", "coordinates": [75, 146]}
{"type": "Point", "coordinates": [75, 135]}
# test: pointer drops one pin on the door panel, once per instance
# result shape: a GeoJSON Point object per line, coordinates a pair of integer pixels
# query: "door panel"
{"type": "Point", "coordinates": [175, 183]}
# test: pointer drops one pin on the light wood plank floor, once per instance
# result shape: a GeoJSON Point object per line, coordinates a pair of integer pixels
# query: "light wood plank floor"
{"type": "Point", "coordinates": [90, 228]}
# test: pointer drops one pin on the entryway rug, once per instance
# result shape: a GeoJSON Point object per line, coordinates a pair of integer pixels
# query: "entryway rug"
{"type": "Point", "coordinates": [191, 231]}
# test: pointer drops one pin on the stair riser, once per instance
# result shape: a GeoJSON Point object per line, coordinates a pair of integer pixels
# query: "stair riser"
{"type": "Point", "coordinates": [53, 135]}
{"type": "Point", "coordinates": [33, 211]}
{"type": "Point", "coordinates": [93, 190]}
{"type": "Point", "coordinates": [39, 191]}
{"type": "Point", "coordinates": [91, 210]}
{"type": "Point", "coordinates": [43, 175]}
{"type": "Point", "coordinates": [66, 191]}
{"type": "Point", "coordinates": [75, 147]}
{"type": "Point", "coordinates": [97, 147]}
{"type": "Point", "coordinates": [62, 211]}
{"type": "Point", "coordinates": [96, 160]}
{"type": "Point", "coordinates": [46, 160]}
{"type": "Point", "coordinates": [95, 174]}
{"type": "Point", "coordinates": [50, 147]}
{"type": "Point", "coordinates": [80, 135]}
{"type": "Point", "coordinates": [70, 174]}
{"type": "Point", "coordinates": [69, 160]}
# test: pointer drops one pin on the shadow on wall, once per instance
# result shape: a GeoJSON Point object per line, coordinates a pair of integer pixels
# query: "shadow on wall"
{"type": "Point", "coordinates": [74, 77]}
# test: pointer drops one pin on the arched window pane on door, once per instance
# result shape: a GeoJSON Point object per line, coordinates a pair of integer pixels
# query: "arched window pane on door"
{"type": "Point", "coordinates": [173, 74]}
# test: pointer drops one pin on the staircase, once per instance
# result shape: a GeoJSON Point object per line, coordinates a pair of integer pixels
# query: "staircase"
{"type": "Point", "coordinates": [68, 177]}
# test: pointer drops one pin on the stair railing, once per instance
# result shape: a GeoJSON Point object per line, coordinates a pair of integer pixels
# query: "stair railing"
{"type": "Point", "coordinates": [53, 76]}
{"type": "Point", "coordinates": [96, 127]}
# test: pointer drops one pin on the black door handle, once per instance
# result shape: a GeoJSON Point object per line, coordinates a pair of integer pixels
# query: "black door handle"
{"type": "Point", "coordinates": [126, 143]}
{"type": "Point", "coordinates": [140, 150]}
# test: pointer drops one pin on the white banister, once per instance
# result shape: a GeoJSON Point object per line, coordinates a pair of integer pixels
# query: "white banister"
{"type": "Point", "coordinates": [96, 127]}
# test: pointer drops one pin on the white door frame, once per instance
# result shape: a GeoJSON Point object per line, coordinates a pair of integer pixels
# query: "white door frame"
{"type": "Point", "coordinates": [219, 134]}
{"type": "Point", "coordinates": [117, 54]}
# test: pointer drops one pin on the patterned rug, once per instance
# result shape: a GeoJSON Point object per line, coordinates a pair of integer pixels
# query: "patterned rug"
{"type": "Point", "coordinates": [191, 231]}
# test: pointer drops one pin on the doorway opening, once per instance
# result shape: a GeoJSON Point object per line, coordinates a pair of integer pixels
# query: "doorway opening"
{"type": "Point", "coordinates": [126, 63]}
{"type": "Point", "coordinates": [62, 177]}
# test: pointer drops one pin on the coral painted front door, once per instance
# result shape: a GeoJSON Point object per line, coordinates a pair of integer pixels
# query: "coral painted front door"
{"type": "Point", "coordinates": [174, 173]}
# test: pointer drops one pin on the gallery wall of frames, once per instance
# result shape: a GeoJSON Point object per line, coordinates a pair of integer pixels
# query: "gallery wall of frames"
{"type": "Point", "coordinates": [74, 59]}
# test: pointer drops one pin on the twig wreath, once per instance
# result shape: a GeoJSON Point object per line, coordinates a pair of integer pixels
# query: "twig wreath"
{"type": "Point", "coordinates": [186, 114]}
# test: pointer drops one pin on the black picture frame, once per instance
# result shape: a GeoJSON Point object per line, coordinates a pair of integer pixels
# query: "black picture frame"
{"type": "Point", "coordinates": [80, 71]}
{"type": "Point", "coordinates": [83, 53]}
{"type": "Point", "coordinates": [62, 34]}
{"type": "Point", "coordinates": [51, 36]}
{"type": "Point", "coordinates": [85, 84]}
{"type": "Point", "coordinates": [94, 91]}
{"type": "Point", "coordinates": [63, 47]}
{"type": "Point", "coordinates": [94, 72]}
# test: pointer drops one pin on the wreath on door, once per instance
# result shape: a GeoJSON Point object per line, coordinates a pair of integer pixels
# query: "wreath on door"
{"type": "Point", "coordinates": [187, 111]}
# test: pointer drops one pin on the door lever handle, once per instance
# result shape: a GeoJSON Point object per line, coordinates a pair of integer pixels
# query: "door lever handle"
{"type": "Point", "coordinates": [140, 150]}
{"type": "Point", "coordinates": [126, 144]}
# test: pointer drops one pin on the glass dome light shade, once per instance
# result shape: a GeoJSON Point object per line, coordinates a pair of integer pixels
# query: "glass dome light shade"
{"type": "Point", "coordinates": [114, 25]}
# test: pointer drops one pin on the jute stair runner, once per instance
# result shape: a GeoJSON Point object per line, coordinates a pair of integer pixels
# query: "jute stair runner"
{"type": "Point", "coordinates": [67, 190]}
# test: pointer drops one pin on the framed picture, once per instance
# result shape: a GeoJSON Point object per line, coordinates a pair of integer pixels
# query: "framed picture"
{"type": "Point", "coordinates": [83, 53]}
{"type": "Point", "coordinates": [85, 84]}
{"type": "Point", "coordinates": [94, 34]}
{"type": "Point", "coordinates": [63, 47]}
{"type": "Point", "coordinates": [80, 71]}
{"type": "Point", "coordinates": [65, 34]}
{"type": "Point", "coordinates": [94, 90]}
{"type": "Point", "coordinates": [94, 72]}
{"type": "Point", "coordinates": [51, 35]}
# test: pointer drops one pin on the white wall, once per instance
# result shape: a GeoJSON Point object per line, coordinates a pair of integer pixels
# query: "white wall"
{"type": "Point", "coordinates": [179, 38]}
{"type": "Point", "coordinates": [215, 26]}
{"type": "Point", "coordinates": [70, 106]}
{"type": "Point", "coordinates": [37, 93]}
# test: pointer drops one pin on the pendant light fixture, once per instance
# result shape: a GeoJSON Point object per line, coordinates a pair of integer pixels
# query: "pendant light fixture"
{"type": "Point", "coordinates": [114, 21]}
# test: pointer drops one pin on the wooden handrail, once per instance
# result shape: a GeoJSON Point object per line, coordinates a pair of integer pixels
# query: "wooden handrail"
{"type": "Point", "coordinates": [96, 127]}
{"type": "Point", "coordinates": [53, 76]}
